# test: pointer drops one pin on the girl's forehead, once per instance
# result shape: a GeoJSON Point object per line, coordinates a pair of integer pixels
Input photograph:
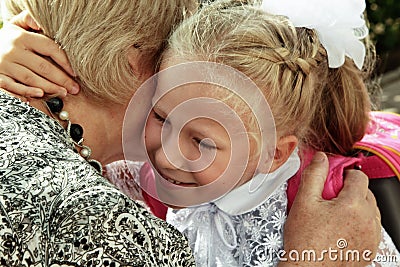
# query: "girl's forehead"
{"type": "Point", "coordinates": [209, 78]}
{"type": "Point", "coordinates": [205, 101]}
{"type": "Point", "coordinates": [207, 95]}
{"type": "Point", "coordinates": [187, 80]}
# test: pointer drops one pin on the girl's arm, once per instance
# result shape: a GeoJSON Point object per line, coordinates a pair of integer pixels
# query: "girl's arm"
{"type": "Point", "coordinates": [24, 69]}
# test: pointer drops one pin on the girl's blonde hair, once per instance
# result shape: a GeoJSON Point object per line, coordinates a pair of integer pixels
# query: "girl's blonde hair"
{"type": "Point", "coordinates": [327, 109]}
{"type": "Point", "coordinates": [96, 36]}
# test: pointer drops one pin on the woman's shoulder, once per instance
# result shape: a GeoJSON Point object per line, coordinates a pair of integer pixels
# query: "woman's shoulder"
{"type": "Point", "coordinates": [25, 127]}
{"type": "Point", "coordinates": [82, 219]}
{"type": "Point", "coordinates": [117, 226]}
{"type": "Point", "coordinates": [56, 208]}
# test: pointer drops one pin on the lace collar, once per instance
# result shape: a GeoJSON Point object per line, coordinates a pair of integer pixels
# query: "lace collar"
{"type": "Point", "coordinates": [249, 232]}
{"type": "Point", "coordinates": [258, 189]}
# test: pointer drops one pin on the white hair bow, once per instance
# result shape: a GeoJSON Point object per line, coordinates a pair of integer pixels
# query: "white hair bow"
{"type": "Point", "coordinates": [339, 24]}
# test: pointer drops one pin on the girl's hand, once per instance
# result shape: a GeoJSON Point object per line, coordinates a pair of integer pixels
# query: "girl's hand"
{"type": "Point", "coordinates": [23, 68]}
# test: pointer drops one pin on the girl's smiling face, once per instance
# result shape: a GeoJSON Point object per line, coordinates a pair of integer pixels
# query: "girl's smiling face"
{"type": "Point", "coordinates": [189, 139]}
{"type": "Point", "coordinates": [209, 131]}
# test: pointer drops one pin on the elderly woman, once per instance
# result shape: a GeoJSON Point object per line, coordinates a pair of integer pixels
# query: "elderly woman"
{"type": "Point", "coordinates": [57, 208]}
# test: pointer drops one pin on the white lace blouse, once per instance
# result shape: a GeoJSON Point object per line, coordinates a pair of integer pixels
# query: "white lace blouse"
{"type": "Point", "coordinates": [224, 233]}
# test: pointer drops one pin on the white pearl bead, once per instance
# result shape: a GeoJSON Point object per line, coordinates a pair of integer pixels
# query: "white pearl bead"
{"type": "Point", "coordinates": [85, 152]}
{"type": "Point", "coordinates": [63, 115]}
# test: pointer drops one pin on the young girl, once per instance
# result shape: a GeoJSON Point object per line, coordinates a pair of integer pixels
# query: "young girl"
{"type": "Point", "coordinates": [224, 134]}
{"type": "Point", "coordinates": [222, 127]}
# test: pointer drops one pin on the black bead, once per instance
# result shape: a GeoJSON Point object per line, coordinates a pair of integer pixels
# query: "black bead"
{"type": "Point", "coordinates": [76, 132]}
{"type": "Point", "coordinates": [55, 104]}
{"type": "Point", "coordinates": [96, 165]}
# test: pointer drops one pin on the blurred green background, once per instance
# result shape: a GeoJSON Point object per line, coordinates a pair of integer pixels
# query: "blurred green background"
{"type": "Point", "coordinates": [384, 18]}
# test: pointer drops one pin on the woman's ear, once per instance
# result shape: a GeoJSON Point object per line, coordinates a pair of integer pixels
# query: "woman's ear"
{"type": "Point", "coordinates": [284, 148]}
{"type": "Point", "coordinates": [140, 64]}
{"type": "Point", "coordinates": [133, 58]}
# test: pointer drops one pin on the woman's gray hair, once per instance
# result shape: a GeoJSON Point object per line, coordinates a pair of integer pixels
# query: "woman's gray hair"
{"type": "Point", "coordinates": [96, 36]}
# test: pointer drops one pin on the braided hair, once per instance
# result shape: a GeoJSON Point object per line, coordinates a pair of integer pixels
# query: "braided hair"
{"type": "Point", "coordinates": [326, 109]}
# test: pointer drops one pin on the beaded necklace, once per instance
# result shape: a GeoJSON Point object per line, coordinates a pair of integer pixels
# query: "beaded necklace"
{"type": "Point", "coordinates": [74, 131]}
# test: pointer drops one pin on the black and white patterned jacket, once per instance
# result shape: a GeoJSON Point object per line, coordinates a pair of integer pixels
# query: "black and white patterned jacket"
{"type": "Point", "coordinates": [55, 210]}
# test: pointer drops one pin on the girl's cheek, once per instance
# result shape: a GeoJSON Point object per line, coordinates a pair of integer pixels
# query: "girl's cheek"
{"type": "Point", "coordinates": [152, 136]}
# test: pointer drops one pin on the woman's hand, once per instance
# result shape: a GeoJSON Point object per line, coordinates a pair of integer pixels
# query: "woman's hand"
{"type": "Point", "coordinates": [349, 222]}
{"type": "Point", "coordinates": [24, 70]}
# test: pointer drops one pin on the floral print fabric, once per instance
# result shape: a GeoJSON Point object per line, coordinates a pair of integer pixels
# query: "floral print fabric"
{"type": "Point", "coordinates": [219, 239]}
{"type": "Point", "coordinates": [55, 210]}
{"type": "Point", "coordinates": [250, 239]}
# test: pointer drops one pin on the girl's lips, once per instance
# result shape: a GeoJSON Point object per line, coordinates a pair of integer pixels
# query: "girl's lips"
{"type": "Point", "coordinates": [172, 181]}
{"type": "Point", "coordinates": [175, 182]}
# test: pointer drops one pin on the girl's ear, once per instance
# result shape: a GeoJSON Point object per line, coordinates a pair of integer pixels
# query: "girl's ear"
{"type": "Point", "coordinates": [284, 148]}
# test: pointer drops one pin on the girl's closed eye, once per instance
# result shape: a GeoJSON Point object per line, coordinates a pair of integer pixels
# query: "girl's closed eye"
{"type": "Point", "coordinates": [205, 144]}
{"type": "Point", "coordinates": [158, 117]}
